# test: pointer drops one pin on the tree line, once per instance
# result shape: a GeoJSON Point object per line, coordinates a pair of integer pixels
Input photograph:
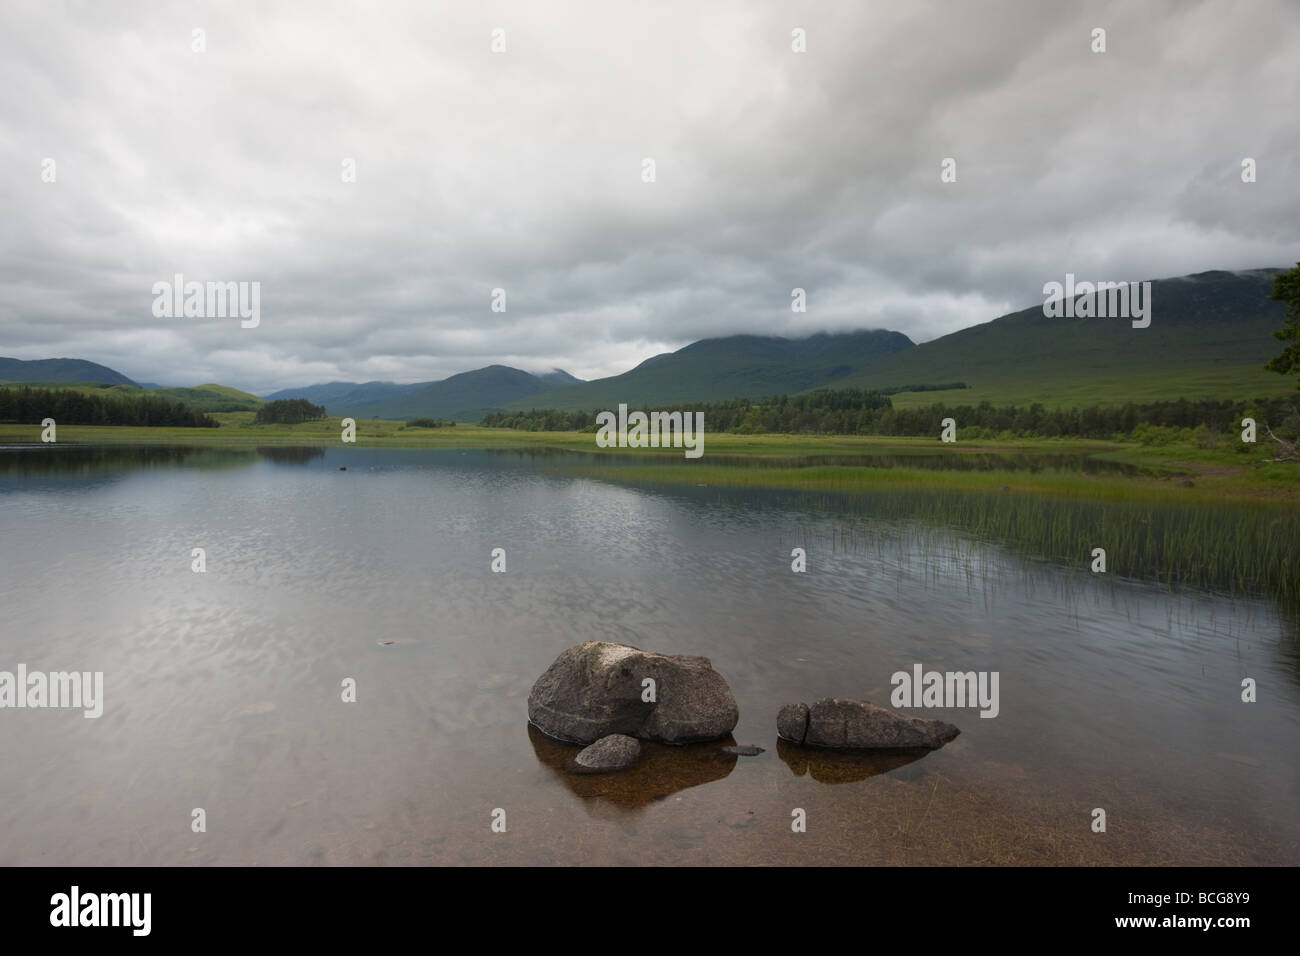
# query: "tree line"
{"type": "Point", "coordinates": [30, 406]}
{"type": "Point", "coordinates": [288, 411]}
{"type": "Point", "coordinates": [430, 423]}
{"type": "Point", "coordinates": [864, 412]}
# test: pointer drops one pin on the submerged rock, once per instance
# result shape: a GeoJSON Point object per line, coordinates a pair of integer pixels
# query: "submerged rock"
{"type": "Point", "coordinates": [743, 750]}
{"type": "Point", "coordinates": [615, 752]}
{"type": "Point", "coordinates": [857, 725]}
{"type": "Point", "coordinates": [596, 689]}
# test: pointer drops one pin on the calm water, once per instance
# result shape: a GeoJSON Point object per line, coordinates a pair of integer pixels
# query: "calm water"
{"type": "Point", "coordinates": [223, 689]}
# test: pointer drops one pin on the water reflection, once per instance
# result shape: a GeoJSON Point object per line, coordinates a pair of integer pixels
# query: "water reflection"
{"type": "Point", "coordinates": [290, 454]}
{"type": "Point", "coordinates": [73, 459]}
{"type": "Point", "coordinates": [1034, 462]}
{"type": "Point", "coordinates": [830, 766]}
{"type": "Point", "coordinates": [1237, 549]}
{"type": "Point", "coordinates": [661, 772]}
{"type": "Point", "coordinates": [69, 459]}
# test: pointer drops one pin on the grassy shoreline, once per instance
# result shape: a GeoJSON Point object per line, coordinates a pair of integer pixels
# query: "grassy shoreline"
{"type": "Point", "coordinates": [1221, 474]}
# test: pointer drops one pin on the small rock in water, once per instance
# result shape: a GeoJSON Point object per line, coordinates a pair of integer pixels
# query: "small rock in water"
{"type": "Point", "coordinates": [744, 750]}
{"type": "Point", "coordinates": [341, 468]}
{"type": "Point", "coordinates": [387, 643]}
{"type": "Point", "coordinates": [615, 752]}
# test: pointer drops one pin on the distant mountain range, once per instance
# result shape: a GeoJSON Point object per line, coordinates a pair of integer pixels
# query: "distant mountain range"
{"type": "Point", "coordinates": [349, 395]}
{"type": "Point", "coordinates": [731, 367]}
{"type": "Point", "coordinates": [708, 370]}
{"type": "Point", "coordinates": [59, 370]}
{"type": "Point", "coordinates": [465, 397]}
{"type": "Point", "coordinates": [1209, 337]}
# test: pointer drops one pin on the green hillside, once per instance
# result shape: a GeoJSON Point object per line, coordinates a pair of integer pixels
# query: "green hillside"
{"type": "Point", "coordinates": [201, 398]}
{"type": "Point", "coordinates": [466, 397]}
{"type": "Point", "coordinates": [1209, 337]}
{"type": "Point", "coordinates": [212, 398]}
{"type": "Point", "coordinates": [738, 365]}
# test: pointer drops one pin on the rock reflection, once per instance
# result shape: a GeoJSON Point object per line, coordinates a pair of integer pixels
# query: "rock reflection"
{"type": "Point", "coordinates": [662, 771]}
{"type": "Point", "coordinates": [831, 766]}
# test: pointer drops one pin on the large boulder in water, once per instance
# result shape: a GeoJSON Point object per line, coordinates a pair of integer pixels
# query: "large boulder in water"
{"type": "Point", "coordinates": [596, 689]}
{"type": "Point", "coordinates": [857, 725]}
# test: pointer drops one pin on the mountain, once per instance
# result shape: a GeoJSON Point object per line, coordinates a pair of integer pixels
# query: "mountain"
{"type": "Point", "coordinates": [59, 370]}
{"type": "Point", "coordinates": [466, 397]}
{"type": "Point", "coordinates": [1209, 337]}
{"type": "Point", "coordinates": [731, 367]}
{"type": "Point", "coordinates": [341, 398]}
{"type": "Point", "coordinates": [558, 378]}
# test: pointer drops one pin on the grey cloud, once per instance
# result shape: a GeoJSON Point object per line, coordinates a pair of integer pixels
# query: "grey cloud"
{"type": "Point", "coordinates": [522, 170]}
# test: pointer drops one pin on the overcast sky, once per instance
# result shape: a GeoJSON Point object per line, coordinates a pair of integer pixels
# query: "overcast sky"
{"type": "Point", "coordinates": [523, 170]}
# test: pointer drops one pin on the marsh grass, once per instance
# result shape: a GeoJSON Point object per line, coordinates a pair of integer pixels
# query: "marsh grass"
{"type": "Point", "coordinates": [1242, 550]}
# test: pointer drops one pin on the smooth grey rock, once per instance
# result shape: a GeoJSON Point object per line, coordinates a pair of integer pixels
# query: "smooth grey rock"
{"type": "Point", "coordinates": [594, 689]}
{"type": "Point", "coordinates": [615, 752]}
{"type": "Point", "coordinates": [857, 725]}
{"type": "Point", "coordinates": [792, 722]}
